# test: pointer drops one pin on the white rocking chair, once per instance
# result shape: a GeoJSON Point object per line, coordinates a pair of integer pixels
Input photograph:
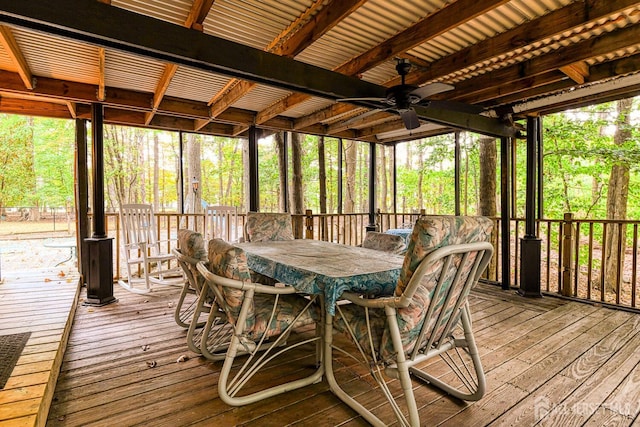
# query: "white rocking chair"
{"type": "Point", "coordinates": [144, 251]}
{"type": "Point", "coordinates": [222, 222]}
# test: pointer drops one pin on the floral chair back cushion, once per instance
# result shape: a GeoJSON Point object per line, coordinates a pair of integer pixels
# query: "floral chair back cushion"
{"type": "Point", "coordinates": [262, 227]}
{"type": "Point", "coordinates": [430, 233]}
{"type": "Point", "coordinates": [191, 244]}
{"type": "Point", "coordinates": [384, 242]}
{"type": "Point", "coordinates": [229, 261]}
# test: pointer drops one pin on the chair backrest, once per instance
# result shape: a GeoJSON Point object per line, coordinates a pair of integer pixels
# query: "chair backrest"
{"type": "Point", "coordinates": [139, 226]}
{"type": "Point", "coordinates": [384, 242]}
{"type": "Point", "coordinates": [191, 250]}
{"type": "Point", "coordinates": [445, 257]}
{"type": "Point", "coordinates": [222, 222]}
{"type": "Point", "coordinates": [262, 227]}
{"type": "Point", "coordinates": [229, 261]}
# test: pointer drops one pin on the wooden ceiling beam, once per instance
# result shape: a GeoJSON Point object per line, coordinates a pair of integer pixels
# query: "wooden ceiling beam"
{"type": "Point", "coordinates": [578, 71]}
{"type": "Point", "coordinates": [556, 22]}
{"type": "Point", "coordinates": [15, 53]}
{"type": "Point", "coordinates": [617, 40]}
{"type": "Point", "coordinates": [116, 28]}
{"type": "Point", "coordinates": [101, 72]}
{"type": "Point", "coordinates": [197, 14]}
{"type": "Point", "coordinates": [568, 18]}
{"type": "Point", "coordinates": [431, 26]}
{"type": "Point", "coordinates": [322, 115]}
{"type": "Point", "coordinates": [28, 107]}
{"type": "Point", "coordinates": [72, 109]}
{"type": "Point", "coordinates": [605, 71]}
{"type": "Point", "coordinates": [309, 27]}
{"type": "Point", "coordinates": [75, 92]}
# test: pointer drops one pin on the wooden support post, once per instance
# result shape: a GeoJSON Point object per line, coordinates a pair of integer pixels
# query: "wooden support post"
{"type": "Point", "coordinates": [372, 188]}
{"type": "Point", "coordinates": [308, 222]}
{"type": "Point", "coordinates": [100, 246]}
{"type": "Point", "coordinates": [567, 254]}
{"type": "Point", "coordinates": [530, 244]}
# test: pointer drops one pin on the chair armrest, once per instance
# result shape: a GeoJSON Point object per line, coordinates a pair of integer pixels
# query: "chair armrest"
{"type": "Point", "coordinates": [138, 245]}
{"type": "Point", "coordinates": [379, 302]}
{"type": "Point", "coordinates": [243, 286]}
{"type": "Point", "coordinates": [181, 257]}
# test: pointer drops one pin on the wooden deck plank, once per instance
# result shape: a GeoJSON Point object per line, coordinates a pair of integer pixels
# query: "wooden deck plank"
{"type": "Point", "coordinates": [535, 351]}
{"type": "Point", "coordinates": [41, 302]}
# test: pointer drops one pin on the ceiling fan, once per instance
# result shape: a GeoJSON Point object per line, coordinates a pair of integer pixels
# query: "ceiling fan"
{"type": "Point", "coordinates": [401, 98]}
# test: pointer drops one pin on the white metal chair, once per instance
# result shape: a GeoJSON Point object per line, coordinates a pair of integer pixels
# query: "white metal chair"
{"type": "Point", "coordinates": [266, 226]}
{"type": "Point", "coordinates": [263, 318]}
{"type": "Point", "coordinates": [222, 222]}
{"type": "Point", "coordinates": [145, 252]}
{"type": "Point", "coordinates": [208, 332]}
{"type": "Point", "coordinates": [428, 316]}
{"type": "Point", "coordinates": [190, 250]}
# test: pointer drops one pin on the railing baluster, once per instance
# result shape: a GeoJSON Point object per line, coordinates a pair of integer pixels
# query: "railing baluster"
{"type": "Point", "coordinates": [634, 265]}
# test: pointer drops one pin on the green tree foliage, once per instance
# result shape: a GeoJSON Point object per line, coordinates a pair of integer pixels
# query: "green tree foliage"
{"type": "Point", "coordinates": [36, 161]}
{"type": "Point", "coordinates": [17, 175]}
{"type": "Point", "coordinates": [54, 143]}
{"type": "Point", "coordinates": [578, 156]}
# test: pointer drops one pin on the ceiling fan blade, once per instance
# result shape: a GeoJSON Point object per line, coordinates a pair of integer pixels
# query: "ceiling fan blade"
{"type": "Point", "coordinates": [455, 106]}
{"type": "Point", "coordinates": [430, 89]}
{"type": "Point", "coordinates": [410, 119]}
{"type": "Point", "coordinates": [361, 99]}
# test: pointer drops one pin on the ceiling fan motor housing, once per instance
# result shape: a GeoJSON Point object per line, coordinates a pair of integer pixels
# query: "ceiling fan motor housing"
{"type": "Point", "coordinates": [400, 96]}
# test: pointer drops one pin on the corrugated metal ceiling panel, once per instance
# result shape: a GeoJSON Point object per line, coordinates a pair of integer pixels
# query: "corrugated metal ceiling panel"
{"type": "Point", "coordinates": [369, 25]}
{"type": "Point", "coordinates": [58, 58]}
{"type": "Point", "coordinates": [195, 84]}
{"type": "Point", "coordinates": [6, 63]}
{"type": "Point", "coordinates": [120, 71]}
{"type": "Point", "coordinates": [174, 11]}
{"type": "Point", "coordinates": [252, 22]}
{"type": "Point", "coordinates": [308, 107]}
{"type": "Point", "coordinates": [488, 25]}
{"type": "Point", "coordinates": [260, 98]}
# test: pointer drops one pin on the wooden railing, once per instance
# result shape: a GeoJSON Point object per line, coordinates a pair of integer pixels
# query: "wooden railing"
{"type": "Point", "coordinates": [572, 255]}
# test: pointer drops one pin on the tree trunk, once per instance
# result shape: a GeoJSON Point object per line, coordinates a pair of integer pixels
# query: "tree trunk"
{"type": "Point", "coordinates": [617, 196]}
{"type": "Point", "coordinates": [282, 167]}
{"type": "Point", "coordinates": [194, 178]}
{"type": "Point", "coordinates": [350, 159]}
{"type": "Point", "coordinates": [488, 164]}
{"type": "Point", "coordinates": [420, 177]}
{"type": "Point", "coordinates": [488, 159]}
{"type": "Point", "coordinates": [245, 173]}
{"type": "Point", "coordinates": [297, 190]}
{"type": "Point", "coordinates": [381, 177]}
{"type": "Point", "coordinates": [322, 175]}
{"type": "Point", "coordinates": [156, 172]}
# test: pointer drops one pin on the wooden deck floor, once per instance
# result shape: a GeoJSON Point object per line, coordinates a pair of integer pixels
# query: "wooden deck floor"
{"type": "Point", "coordinates": [547, 361]}
{"type": "Point", "coordinates": [41, 302]}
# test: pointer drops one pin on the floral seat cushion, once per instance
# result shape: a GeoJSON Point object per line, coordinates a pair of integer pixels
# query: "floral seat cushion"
{"type": "Point", "coordinates": [384, 242]}
{"type": "Point", "coordinates": [230, 261]}
{"type": "Point", "coordinates": [429, 234]}
{"type": "Point", "coordinates": [262, 227]}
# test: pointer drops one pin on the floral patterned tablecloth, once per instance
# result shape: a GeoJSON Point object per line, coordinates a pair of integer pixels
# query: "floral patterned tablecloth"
{"type": "Point", "coordinates": [318, 267]}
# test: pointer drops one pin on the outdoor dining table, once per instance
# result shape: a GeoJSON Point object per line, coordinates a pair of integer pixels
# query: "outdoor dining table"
{"type": "Point", "coordinates": [319, 267]}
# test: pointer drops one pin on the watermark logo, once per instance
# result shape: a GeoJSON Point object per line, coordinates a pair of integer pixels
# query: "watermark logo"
{"type": "Point", "coordinates": [542, 406]}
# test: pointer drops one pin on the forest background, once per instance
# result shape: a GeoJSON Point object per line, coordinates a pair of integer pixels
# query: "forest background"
{"type": "Point", "coordinates": [586, 154]}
